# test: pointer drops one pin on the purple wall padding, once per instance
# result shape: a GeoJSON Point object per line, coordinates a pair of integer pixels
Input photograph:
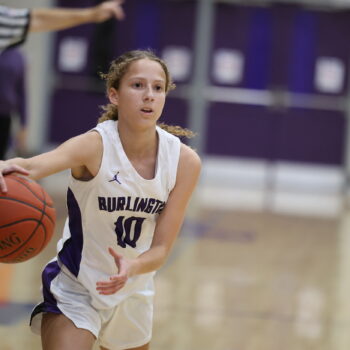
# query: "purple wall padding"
{"type": "Point", "coordinates": [240, 130]}
{"type": "Point", "coordinates": [175, 112]}
{"type": "Point", "coordinates": [282, 29]}
{"type": "Point", "coordinates": [73, 113]}
{"type": "Point", "coordinates": [311, 136]}
{"type": "Point", "coordinates": [179, 15]}
{"type": "Point", "coordinates": [295, 135]}
{"type": "Point", "coordinates": [247, 30]}
{"type": "Point", "coordinates": [332, 39]}
{"type": "Point", "coordinates": [303, 41]}
{"type": "Point", "coordinates": [230, 30]}
{"type": "Point", "coordinates": [149, 24]}
{"type": "Point", "coordinates": [280, 43]}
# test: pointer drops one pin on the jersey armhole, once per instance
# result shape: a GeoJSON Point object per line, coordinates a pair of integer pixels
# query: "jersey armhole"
{"type": "Point", "coordinates": [174, 165]}
{"type": "Point", "coordinates": [101, 161]}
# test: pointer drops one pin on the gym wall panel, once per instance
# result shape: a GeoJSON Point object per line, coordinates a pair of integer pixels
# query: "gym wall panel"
{"type": "Point", "coordinates": [278, 48]}
{"type": "Point", "coordinates": [282, 19]}
{"type": "Point", "coordinates": [175, 112]}
{"type": "Point", "coordinates": [332, 43]}
{"type": "Point", "coordinates": [240, 131]}
{"type": "Point", "coordinates": [281, 45]}
{"type": "Point", "coordinates": [247, 31]}
{"type": "Point", "coordinates": [259, 49]}
{"type": "Point", "coordinates": [176, 33]}
{"type": "Point", "coordinates": [84, 51]}
{"type": "Point", "coordinates": [311, 136]}
{"type": "Point", "coordinates": [73, 113]}
{"type": "Point", "coordinates": [302, 51]}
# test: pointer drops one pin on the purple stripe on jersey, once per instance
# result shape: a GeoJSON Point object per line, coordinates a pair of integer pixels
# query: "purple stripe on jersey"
{"type": "Point", "coordinates": [49, 304]}
{"type": "Point", "coordinates": [70, 254]}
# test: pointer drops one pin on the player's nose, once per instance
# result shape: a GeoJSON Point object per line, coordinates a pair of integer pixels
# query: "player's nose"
{"type": "Point", "coordinates": [149, 94]}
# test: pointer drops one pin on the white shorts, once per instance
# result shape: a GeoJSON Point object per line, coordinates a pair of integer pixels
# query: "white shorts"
{"type": "Point", "coordinates": [127, 325]}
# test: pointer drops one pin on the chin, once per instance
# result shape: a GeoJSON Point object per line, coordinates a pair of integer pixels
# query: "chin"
{"type": "Point", "coordinates": [146, 123]}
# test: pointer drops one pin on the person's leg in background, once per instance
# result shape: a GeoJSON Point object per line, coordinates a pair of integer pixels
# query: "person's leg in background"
{"type": "Point", "coordinates": [5, 130]}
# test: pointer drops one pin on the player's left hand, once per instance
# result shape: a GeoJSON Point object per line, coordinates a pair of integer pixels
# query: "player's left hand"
{"type": "Point", "coordinates": [109, 9]}
{"type": "Point", "coordinates": [116, 282]}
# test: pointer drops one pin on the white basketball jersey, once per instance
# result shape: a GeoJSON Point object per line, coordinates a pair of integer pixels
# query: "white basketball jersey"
{"type": "Point", "coordinates": [117, 208]}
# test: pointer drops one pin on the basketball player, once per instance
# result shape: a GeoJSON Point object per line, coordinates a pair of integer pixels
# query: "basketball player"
{"type": "Point", "coordinates": [131, 181]}
{"type": "Point", "coordinates": [15, 23]}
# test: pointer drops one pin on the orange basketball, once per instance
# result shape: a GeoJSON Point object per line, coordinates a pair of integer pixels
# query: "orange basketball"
{"type": "Point", "coordinates": [27, 220]}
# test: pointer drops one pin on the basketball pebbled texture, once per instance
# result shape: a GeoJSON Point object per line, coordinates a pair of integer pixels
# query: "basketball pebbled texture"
{"type": "Point", "coordinates": [27, 220]}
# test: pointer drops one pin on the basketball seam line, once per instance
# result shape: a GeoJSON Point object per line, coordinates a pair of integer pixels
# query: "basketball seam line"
{"type": "Point", "coordinates": [30, 205]}
{"type": "Point", "coordinates": [30, 190]}
{"type": "Point", "coordinates": [31, 235]}
{"type": "Point", "coordinates": [18, 222]}
{"type": "Point", "coordinates": [39, 223]}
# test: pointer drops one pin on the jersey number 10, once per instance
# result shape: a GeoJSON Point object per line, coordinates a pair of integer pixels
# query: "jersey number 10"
{"type": "Point", "coordinates": [128, 230]}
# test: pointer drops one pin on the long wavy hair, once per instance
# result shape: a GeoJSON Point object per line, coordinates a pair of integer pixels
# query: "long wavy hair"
{"type": "Point", "coordinates": [117, 70]}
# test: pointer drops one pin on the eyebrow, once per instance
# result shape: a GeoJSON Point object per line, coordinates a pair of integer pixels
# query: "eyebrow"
{"type": "Point", "coordinates": [142, 78]}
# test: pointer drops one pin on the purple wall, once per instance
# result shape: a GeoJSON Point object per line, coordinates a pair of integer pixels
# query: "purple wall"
{"type": "Point", "coordinates": [280, 45]}
{"type": "Point", "coordinates": [311, 136]}
{"type": "Point", "coordinates": [240, 130]}
{"type": "Point", "coordinates": [73, 113]}
{"type": "Point", "coordinates": [149, 24]}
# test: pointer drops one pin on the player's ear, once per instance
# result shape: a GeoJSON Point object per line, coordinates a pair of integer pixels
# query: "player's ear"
{"type": "Point", "coordinates": [113, 96]}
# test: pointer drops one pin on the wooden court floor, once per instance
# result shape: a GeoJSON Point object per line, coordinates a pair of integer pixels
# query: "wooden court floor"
{"type": "Point", "coordinates": [235, 281]}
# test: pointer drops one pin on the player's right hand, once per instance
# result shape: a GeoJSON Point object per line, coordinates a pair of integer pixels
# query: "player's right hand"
{"type": "Point", "coordinates": [6, 168]}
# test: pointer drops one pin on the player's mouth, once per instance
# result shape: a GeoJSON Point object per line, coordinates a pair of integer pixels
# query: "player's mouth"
{"type": "Point", "coordinates": [147, 110]}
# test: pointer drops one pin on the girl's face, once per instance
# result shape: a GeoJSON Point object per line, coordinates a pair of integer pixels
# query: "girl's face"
{"type": "Point", "coordinates": [141, 94]}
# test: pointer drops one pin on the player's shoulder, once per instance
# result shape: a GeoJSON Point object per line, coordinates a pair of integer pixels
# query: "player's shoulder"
{"type": "Point", "coordinates": [84, 144]}
{"type": "Point", "coordinates": [90, 138]}
{"type": "Point", "coordinates": [189, 158]}
{"type": "Point", "coordinates": [93, 135]}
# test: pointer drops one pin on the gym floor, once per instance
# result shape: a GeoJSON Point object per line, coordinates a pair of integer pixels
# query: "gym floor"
{"type": "Point", "coordinates": [235, 280]}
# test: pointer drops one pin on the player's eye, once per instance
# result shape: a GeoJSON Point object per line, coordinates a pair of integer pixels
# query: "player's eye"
{"type": "Point", "coordinates": [159, 88]}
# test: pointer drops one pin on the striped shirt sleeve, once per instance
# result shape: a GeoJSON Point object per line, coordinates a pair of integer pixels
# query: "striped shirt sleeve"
{"type": "Point", "coordinates": [14, 24]}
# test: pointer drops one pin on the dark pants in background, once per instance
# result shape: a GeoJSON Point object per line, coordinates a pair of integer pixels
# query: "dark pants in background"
{"type": "Point", "coordinates": [5, 129]}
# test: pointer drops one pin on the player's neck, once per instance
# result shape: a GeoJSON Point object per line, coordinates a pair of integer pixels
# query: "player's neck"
{"type": "Point", "coordinates": [138, 144]}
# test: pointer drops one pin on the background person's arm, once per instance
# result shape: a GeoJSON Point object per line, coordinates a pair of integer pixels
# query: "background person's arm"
{"type": "Point", "coordinates": [52, 19]}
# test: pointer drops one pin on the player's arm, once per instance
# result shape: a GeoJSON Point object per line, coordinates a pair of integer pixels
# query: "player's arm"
{"type": "Point", "coordinates": [168, 226]}
{"type": "Point", "coordinates": [61, 18]}
{"type": "Point", "coordinates": [171, 218]}
{"type": "Point", "coordinates": [81, 151]}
